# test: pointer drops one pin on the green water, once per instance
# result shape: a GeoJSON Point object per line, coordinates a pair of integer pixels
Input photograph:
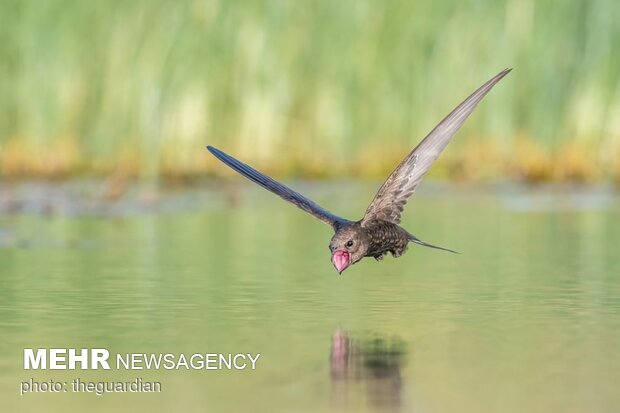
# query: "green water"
{"type": "Point", "coordinates": [525, 319]}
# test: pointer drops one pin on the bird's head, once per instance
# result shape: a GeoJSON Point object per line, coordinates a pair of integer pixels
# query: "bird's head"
{"type": "Point", "coordinates": [348, 246]}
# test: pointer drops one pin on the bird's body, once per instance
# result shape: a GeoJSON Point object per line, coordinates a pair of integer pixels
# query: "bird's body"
{"type": "Point", "coordinates": [386, 237]}
{"type": "Point", "coordinates": [378, 238]}
{"type": "Point", "coordinates": [374, 238]}
{"type": "Point", "coordinates": [379, 231]}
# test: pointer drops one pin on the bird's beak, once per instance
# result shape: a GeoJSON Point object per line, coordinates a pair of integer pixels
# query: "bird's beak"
{"type": "Point", "coordinates": [341, 260]}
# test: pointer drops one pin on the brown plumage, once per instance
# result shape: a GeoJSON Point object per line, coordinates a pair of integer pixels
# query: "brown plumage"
{"type": "Point", "coordinates": [378, 232]}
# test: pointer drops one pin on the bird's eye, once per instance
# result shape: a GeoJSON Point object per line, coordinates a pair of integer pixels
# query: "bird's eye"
{"type": "Point", "coordinates": [349, 244]}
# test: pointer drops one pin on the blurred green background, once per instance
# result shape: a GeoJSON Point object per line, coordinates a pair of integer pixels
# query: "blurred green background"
{"type": "Point", "coordinates": [312, 88]}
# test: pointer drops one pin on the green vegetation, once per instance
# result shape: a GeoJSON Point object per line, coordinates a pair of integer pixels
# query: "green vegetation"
{"type": "Point", "coordinates": [308, 88]}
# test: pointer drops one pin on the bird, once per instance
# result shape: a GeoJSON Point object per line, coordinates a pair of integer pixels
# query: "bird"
{"type": "Point", "coordinates": [378, 232]}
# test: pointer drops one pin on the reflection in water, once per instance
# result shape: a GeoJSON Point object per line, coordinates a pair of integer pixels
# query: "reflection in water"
{"type": "Point", "coordinates": [370, 365]}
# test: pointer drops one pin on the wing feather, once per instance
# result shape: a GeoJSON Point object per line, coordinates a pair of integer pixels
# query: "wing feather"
{"type": "Point", "coordinates": [391, 198]}
{"type": "Point", "coordinates": [279, 189]}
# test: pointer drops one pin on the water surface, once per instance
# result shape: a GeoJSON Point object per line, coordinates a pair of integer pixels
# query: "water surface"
{"type": "Point", "coordinates": [526, 318]}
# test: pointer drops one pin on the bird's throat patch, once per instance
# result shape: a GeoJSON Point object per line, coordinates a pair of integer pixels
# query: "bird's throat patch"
{"type": "Point", "coordinates": [341, 260]}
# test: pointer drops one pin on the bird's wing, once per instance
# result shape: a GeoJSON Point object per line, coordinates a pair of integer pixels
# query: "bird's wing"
{"type": "Point", "coordinates": [389, 202]}
{"type": "Point", "coordinates": [277, 188]}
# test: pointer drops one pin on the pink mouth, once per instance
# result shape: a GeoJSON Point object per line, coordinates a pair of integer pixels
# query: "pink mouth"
{"type": "Point", "coordinates": [341, 260]}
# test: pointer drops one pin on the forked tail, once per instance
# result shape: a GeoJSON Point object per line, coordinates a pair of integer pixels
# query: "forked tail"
{"type": "Point", "coordinates": [420, 242]}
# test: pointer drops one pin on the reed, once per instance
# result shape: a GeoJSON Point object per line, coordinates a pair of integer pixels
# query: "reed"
{"type": "Point", "coordinates": [314, 88]}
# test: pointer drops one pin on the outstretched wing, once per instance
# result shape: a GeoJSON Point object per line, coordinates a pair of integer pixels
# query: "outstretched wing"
{"type": "Point", "coordinates": [277, 188]}
{"type": "Point", "coordinates": [389, 202]}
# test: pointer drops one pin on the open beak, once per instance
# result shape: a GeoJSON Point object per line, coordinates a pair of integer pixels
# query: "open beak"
{"type": "Point", "coordinates": [341, 260]}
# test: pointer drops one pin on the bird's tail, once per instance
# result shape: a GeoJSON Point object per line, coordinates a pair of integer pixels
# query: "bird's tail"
{"type": "Point", "coordinates": [420, 242]}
